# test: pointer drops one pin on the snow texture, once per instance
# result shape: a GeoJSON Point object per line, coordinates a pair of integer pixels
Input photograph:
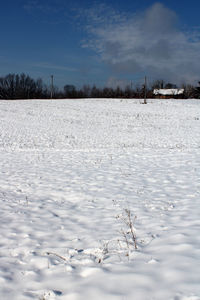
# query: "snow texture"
{"type": "Point", "coordinates": [71, 171]}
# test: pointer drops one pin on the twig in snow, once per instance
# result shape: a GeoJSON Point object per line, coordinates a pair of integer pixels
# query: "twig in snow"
{"type": "Point", "coordinates": [55, 254]}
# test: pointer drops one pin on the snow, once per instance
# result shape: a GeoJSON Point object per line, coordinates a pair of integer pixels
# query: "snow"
{"type": "Point", "coordinates": [71, 170]}
{"type": "Point", "coordinates": [171, 92]}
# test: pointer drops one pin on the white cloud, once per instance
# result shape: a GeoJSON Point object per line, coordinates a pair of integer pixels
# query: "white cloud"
{"type": "Point", "coordinates": [150, 42]}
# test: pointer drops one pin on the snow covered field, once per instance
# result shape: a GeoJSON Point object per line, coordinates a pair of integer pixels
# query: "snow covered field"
{"type": "Point", "coordinates": [71, 170]}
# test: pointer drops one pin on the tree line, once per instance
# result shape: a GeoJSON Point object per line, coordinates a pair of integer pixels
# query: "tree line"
{"type": "Point", "coordinates": [22, 86]}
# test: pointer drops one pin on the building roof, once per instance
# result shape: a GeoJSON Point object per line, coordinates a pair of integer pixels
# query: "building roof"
{"type": "Point", "coordinates": [168, 92]}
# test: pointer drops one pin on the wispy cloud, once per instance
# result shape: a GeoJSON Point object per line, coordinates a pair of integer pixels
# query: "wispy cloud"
{"type": "Point", "coordinates": [53, 12]}
{"type": "Point", "coordinates": [151, 42]}
{"type": "Point", "coordinates": [46, 65]}
{"type": "Point", "coordinates": [35, 5]}
{"type": "Point", "coordinates": [59, 8]}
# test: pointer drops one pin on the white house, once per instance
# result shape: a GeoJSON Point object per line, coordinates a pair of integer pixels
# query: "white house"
{"type": "Point", "coordinates": [166, 93]}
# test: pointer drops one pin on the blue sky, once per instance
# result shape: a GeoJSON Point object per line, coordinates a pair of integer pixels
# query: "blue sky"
{"type": "Point", "coordinates": [101, 42]}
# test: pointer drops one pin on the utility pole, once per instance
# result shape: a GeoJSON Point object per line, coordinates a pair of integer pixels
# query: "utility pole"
{"type": "Point", "coordinates": [52, 86]}
{"type": "Point", "coordinates": [145, 90]}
